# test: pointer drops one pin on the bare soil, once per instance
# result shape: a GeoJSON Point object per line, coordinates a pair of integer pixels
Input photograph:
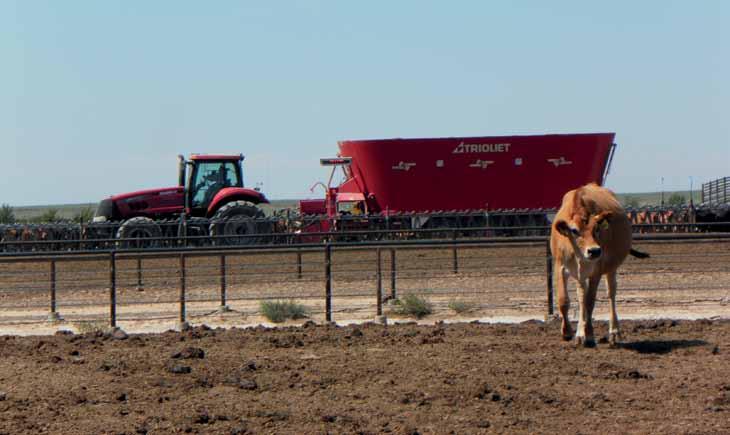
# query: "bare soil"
{"type": "Point", "coordinates": [668, 377]}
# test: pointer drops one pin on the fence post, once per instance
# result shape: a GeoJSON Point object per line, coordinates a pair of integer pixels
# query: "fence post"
{"type": "Point", "coordinates": [224, 307]}
{"type": "Point", "coordinates": [328, 281]}
{"type": "Point", "coordinates": [140, 286]}
{"type": "Point", "coordinates": [299, 264]}
{"type": "Point", "coordinates": [182, 323]}
{"type": "Point", "coordinates": [112, 290]}
{"type": "Point", "coordinates": [456, 256]}
{"type": "Point", "coordinates": [549, 265]}
{"type": "Point", "coordinates": [393, 293]}
{"type": "Point", "coordinates": [53, 316]}
{"type": "Point", "coordinates": [379, 285]}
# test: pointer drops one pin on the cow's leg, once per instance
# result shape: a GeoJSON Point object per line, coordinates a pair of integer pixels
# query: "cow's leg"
{"type": "Point", "coordinates": [590, 303]}
{"type": "Point", "coordinates": [586, 300]}
{"type": "Point", "coordinates": [580, 333]}
{"type": "Point", "coordinates": [614, 334]}
{"type": "Point", "coordinates": [561, 274]}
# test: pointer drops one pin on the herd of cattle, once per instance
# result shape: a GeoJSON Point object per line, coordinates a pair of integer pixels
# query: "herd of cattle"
{"type": "Point", "coordinates": [678, 219]}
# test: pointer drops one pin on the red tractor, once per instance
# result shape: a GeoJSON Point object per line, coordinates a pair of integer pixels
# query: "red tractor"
{"type": "Point", "coordinates": [209, 200]}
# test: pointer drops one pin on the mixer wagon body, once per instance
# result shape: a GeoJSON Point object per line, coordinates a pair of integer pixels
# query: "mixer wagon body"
{"type": "Point", "coordinates": [471, 173]}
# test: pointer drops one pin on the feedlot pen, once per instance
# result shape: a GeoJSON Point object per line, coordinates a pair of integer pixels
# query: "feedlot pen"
{"type": "Point", "coordinates": [494, 280]}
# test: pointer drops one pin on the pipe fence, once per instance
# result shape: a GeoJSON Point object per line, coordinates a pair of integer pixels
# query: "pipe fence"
{"type": "Point", "coordinates": [498, 278]}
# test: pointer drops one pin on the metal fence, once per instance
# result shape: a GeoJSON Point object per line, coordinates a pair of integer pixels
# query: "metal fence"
{"type": "Point", "coordinates": [716, 192]}
{"type": "Point", "coordinates": [460, 278]}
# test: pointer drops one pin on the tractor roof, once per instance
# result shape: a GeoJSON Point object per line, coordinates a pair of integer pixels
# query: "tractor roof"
{"type": "Point", "coordinates": [216, 157]}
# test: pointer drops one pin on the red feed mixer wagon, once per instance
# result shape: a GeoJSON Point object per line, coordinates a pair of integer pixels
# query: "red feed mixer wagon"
{"type": "Point", "coordinates": [460, 181]}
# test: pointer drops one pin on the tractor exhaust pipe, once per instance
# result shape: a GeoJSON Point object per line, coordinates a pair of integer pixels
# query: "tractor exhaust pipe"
{"type": "Point", "coordinates": [180, 170]}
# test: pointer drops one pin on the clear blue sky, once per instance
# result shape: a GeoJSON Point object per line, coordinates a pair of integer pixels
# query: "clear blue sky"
{"type": "Point", "coordinates": [98, 97]}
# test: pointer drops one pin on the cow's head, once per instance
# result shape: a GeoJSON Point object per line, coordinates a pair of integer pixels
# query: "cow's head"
{"type": "Point", "coordinates": [585, 232]}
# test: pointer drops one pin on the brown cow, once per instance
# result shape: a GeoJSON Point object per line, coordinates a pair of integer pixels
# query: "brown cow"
{"type": "Point", "coordinates": [590, 237]}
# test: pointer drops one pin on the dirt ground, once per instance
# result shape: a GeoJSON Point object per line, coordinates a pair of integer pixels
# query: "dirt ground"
{"type": "Point", "coordinates": [668, 377]}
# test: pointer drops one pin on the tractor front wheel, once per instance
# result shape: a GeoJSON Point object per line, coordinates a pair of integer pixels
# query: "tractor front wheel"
{"type": "Point", "coordinates": [139, 233]}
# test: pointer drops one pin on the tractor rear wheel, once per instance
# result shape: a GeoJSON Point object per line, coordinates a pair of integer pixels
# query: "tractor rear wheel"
{"type": "Point", "coordinates": [236, 224]}
{"type": "Point", "coordinates": [144, 232]}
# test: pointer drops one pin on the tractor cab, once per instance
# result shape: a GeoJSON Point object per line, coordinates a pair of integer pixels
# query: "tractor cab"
{"type": "Point", "coordinates": [207, 175]}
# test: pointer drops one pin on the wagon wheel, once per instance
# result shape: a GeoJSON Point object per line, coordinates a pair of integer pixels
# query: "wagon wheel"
{"type": "Point", "coordinates": [443, 224]}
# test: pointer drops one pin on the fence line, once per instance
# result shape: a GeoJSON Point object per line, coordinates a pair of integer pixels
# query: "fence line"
{"type": "Point", "coordinates": [133, 270]}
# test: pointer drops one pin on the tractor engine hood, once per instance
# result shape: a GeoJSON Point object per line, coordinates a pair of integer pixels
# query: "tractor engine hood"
{"type": "Point", "coordinates": [146, 193]}
{"type": "Point", "coordinates": [149, 202]}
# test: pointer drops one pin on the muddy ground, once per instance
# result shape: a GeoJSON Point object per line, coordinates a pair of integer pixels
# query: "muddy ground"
{"type": "Point", "coordinates": [669, 377]}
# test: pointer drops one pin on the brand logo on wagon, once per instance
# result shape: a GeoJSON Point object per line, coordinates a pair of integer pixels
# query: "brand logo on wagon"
{"type": "Point", "coordinates": [404, 166]}
{"type": "Point", "coordinates": [464, 148]}
{"type": "Point", "coordinates": [559, 162]}
{"type": "Point", "coordinates": [482, 164]}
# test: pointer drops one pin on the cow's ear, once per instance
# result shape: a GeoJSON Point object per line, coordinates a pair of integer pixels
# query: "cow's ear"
{"type": "Point", "coordinates": [562, 227]}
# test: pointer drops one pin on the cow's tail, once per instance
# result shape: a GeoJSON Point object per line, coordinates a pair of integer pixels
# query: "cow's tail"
{"type": "Point", "coordinates": [638, 254]}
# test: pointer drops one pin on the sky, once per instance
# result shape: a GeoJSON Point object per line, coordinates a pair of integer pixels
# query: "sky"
{"type": "Point", "coordinates": [98, 98]}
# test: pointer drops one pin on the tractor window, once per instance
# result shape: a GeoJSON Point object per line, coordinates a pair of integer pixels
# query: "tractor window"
{"type": "Point", "coordinates": [210, 178]}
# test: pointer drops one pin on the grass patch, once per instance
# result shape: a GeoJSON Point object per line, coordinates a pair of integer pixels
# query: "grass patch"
{"type": "Point", "coordinates": [280, 311]}
{"type": "Point", "coordinates": [461, 307]}
{"type": "Point", "coordinates": [414, 306]}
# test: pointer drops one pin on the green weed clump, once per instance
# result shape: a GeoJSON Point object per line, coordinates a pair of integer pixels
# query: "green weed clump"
{"type": "Point", "coordinates": [280, 311]}
{"type": "Point", "coordinates": [461, 307]}
{"type": "Point", "coordinates": [414, 306]}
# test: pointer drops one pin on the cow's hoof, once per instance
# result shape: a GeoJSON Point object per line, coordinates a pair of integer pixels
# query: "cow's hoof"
{"type": "Point", "coordinates": [567, 337]}
{"type": "Point", "coordinates": [614, 338]}
{"type": "Point", "coordinates": [585, 342]}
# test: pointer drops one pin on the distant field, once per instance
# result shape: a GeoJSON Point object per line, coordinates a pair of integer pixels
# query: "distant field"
{"type": "Point", "coordinates": [68, 211]}
{"type": "Point", "coordinates": [65, 211]}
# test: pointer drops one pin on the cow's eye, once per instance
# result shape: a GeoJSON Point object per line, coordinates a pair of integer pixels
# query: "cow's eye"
{"type": "Point", "coordinates": [574, 231]}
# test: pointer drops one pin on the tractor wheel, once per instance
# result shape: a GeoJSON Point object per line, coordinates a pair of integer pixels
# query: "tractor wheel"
{"type": "Point", "coordinates": [237, 221]}
{"type": "Point", "coordinates": [145, 232]}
